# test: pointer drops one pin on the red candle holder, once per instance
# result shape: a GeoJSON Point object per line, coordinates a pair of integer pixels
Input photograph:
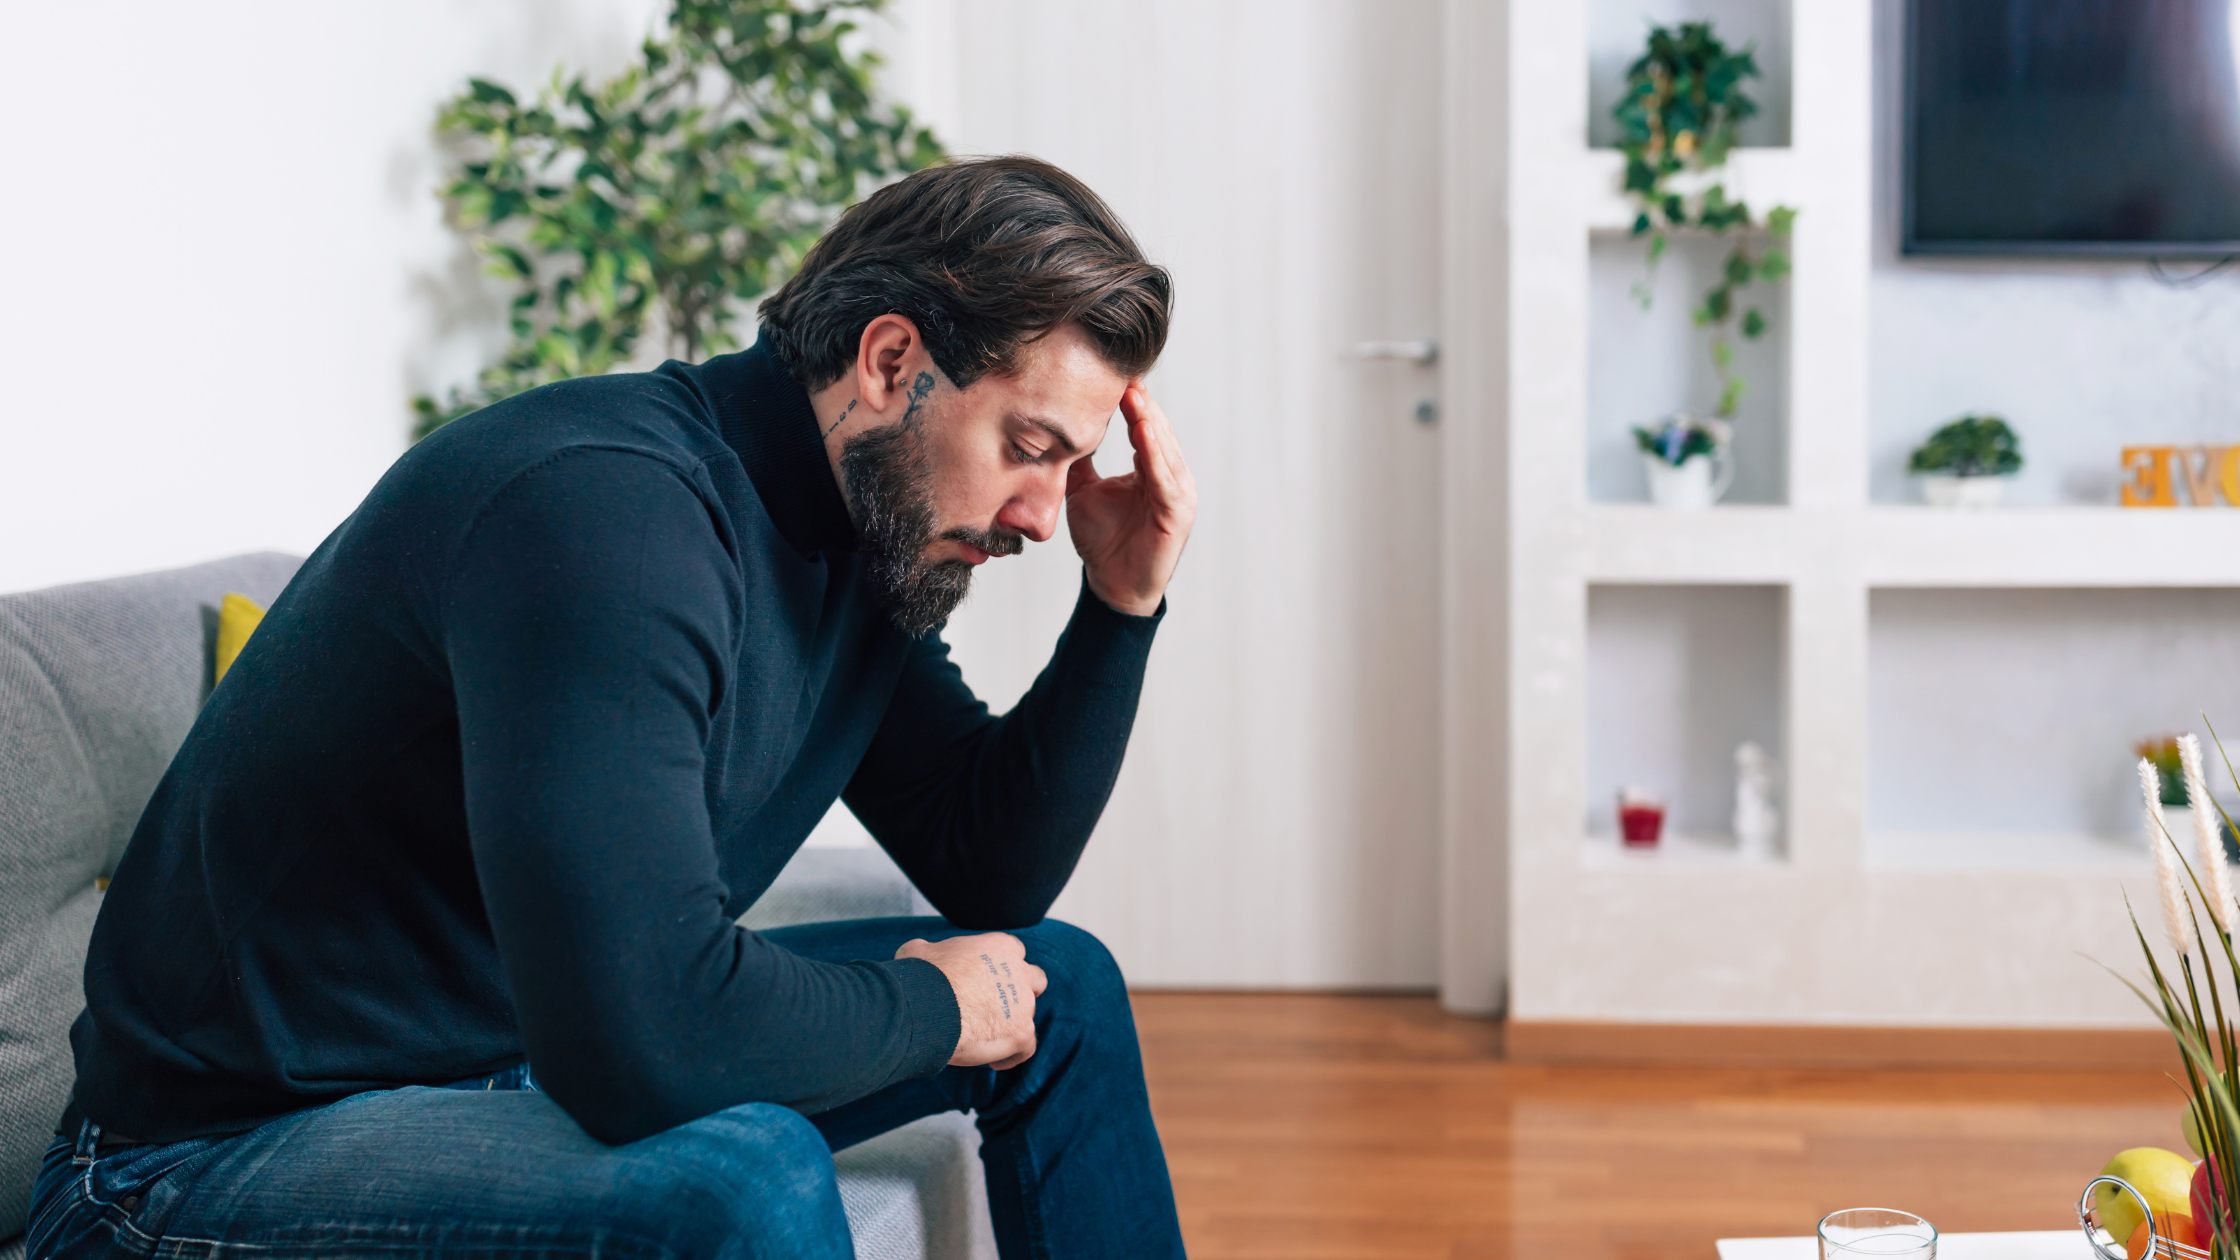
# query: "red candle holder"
{"type": "Point", "coordinates": [1640, 823]}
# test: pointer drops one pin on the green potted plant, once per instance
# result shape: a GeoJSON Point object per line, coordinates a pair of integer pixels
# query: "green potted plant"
{"type": "Point", "coordinates": [1966, 463]}
{"type": "Point", "coordinates": [2165, 755]}
{"type": "Point", "coordinates": [1686, 460]}
{"type": "Point", "coordinates": [1683, 102]}
{"type": "Point", "coordinates": [654, 205]}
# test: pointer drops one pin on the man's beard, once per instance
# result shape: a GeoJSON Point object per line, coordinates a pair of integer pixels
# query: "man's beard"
{"type": "Point", "coordinates": [889, 477]}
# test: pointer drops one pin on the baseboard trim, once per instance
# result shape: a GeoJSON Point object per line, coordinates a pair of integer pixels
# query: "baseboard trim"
{"type": "Point", "coordinates": [1825, 1046]}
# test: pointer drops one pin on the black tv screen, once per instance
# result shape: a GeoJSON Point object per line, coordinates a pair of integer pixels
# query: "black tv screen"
{"type": "Point", "coordinates": [2072, 126]}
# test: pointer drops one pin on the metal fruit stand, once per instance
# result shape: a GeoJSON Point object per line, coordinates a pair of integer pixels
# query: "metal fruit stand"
{"type": "Point", "coordinates": [2109, 1246]}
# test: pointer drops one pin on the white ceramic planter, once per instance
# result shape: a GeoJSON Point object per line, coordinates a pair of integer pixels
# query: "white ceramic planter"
{"type": "Point", "coordinates": [1949, 491]}
{"type": "Point", "coordinates": [1696, 483]}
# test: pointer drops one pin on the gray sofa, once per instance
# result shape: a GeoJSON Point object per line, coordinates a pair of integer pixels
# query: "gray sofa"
{"type": "Point", "coordinates": [98, 684]}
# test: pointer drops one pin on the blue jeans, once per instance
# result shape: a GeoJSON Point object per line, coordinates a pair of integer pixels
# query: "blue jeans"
{"type": "Point", "coordinates": [492, 1169]}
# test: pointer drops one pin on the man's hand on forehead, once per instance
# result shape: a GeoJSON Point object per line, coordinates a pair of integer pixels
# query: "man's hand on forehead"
{"type": "Point", "coordinates": [1131, 529]}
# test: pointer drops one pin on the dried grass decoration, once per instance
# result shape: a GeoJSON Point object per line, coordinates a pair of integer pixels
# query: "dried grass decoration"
{"type": "Point", "coordinates": [2190, 891]}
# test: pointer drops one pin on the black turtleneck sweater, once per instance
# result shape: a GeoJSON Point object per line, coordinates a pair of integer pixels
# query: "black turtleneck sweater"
{"type": "Point", "coordinates": [524, 737]}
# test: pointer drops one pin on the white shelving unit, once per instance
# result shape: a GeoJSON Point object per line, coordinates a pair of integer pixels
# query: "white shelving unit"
{"type": "Point", "coordinates": [1913, 929]}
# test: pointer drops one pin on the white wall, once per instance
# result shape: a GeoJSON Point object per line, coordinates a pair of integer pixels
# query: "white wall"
{"type": "Point", "coordinates": [2081, 357]}
{"type": "Point", "coordinates": [239, 275]}
{"type": "Point", "coordinates": [229, 271]}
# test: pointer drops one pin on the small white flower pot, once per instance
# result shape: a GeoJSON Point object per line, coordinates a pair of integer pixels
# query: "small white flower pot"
{"type": "Point", "coordinates": [1695, 483]}
{"type": "Point", "coordinates": [1949, 491]}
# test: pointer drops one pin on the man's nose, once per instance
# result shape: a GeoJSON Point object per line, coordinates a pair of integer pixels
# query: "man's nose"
{"type": "Point", "coordinates": [1035, 513]}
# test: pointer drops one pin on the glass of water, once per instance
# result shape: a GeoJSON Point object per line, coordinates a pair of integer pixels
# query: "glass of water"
{"type": "Point", "coordinates": [1876, 1234]}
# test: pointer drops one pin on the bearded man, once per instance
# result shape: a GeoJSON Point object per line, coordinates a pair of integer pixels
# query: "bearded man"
{"type": "Point", "coordinates": [481, 801]}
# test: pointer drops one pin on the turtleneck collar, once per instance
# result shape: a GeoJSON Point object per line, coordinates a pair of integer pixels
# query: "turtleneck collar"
{"type": "Point", "coordinates": [764, 415]}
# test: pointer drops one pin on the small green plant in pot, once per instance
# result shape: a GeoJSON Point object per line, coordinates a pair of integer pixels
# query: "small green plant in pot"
{"type": "Point", "coordinates": [1967, 462]}
{"type": "Point", "coordinates": [1686, 459]}
{"type": "Point", "coordinates": [2164, 754]}
{"type": "Point", "coordinates": [1684, 101]}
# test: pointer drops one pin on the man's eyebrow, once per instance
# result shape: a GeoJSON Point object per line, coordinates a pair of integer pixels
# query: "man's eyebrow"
{"type": "Point", "coordinates": [1058, 434]}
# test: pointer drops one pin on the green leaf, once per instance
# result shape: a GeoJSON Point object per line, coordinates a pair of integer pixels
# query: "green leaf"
{"type": "Point", "coordinates": [1730, 397]}
{"type": "Point", "coordinates": [1753, 323]}
{"type": "Point", "coordinates": [1779, 220]}
{"type": "Point", "coordinates": [1738, 270]}
{"type": "Point", "coordinates": [1722, 353]}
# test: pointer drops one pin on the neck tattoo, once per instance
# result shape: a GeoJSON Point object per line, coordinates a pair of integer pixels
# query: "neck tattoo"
{"type": "Point", "coordinates": [843, 417]}
{"type": "Point", "coordinates": [918, 390]}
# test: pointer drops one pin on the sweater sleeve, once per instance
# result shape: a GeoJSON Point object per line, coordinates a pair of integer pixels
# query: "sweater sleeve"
{"type": "Point", "coordinates": [988, 815]}
{"type": "Point", "coordinates": [589, 619]}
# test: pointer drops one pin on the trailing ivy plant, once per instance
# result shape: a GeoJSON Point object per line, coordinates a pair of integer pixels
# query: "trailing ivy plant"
{"type": "Point", "coordinates": [659, 201]}
{"type": "Point", "coordinates": [1683, 103]}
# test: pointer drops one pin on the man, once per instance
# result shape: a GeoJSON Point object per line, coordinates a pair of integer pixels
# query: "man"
{"type": "Point", "coordinates": [479, 804]}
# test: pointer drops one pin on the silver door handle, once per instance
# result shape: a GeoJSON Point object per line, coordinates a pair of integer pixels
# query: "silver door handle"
{"type": "Point", "coordinates": [1423, 350]}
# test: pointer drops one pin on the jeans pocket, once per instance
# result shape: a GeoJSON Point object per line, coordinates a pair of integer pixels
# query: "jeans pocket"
{"type": "Point", "coordinates": [134, 1188]}
{"type": "Point", "coordinates": [129, 1173]}
{"type": "Point", "coordinates": [115, 1206]}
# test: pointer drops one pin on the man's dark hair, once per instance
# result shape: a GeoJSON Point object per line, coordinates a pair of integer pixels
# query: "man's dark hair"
{"type": "Point", "coordinates": [983, 256]}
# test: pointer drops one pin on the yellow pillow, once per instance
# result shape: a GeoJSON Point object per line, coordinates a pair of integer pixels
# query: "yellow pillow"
{"type": "Point", "coordinates": [238, 617]}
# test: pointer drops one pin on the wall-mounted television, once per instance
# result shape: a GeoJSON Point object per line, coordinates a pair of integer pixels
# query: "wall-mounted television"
{"type": "Point", "coordinates": [2072, 127]}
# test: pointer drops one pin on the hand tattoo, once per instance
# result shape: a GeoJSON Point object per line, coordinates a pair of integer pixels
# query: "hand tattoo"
{"type": "Point", "coordinates": [1002, 997]}
{"type": "Point", "coordinates": [843, 417]}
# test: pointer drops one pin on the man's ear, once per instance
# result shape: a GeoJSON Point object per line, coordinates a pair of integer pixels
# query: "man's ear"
{"type": "Point", "coordinates": [889, 348]}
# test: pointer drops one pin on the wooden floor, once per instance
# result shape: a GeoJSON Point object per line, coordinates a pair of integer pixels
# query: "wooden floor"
{"type": "Point", "coordinates": [1318, 1127]}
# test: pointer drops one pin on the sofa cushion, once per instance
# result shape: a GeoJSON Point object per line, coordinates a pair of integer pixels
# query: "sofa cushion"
{"type": "Point", "coordinates": [238, 618]}
{"type": "Point", "coordinates": [98, 684]}
{"type": "Point", "coordinates": [919, 1192]}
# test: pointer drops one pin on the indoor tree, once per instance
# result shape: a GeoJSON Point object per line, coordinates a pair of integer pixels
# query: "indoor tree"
{"type": "Point", "coordinates": [660, 201]}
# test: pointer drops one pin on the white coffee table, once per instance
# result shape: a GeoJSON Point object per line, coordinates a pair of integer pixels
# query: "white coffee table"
{"type": "Point", "coordinates": [2051, 1244]}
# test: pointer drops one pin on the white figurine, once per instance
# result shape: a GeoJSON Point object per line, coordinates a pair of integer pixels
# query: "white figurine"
{"type": "Point", "coordinates": [1756, 821]}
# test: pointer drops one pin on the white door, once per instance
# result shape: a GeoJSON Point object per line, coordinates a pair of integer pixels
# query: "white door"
{"type": "Point", "coordinates": [1277, 822]}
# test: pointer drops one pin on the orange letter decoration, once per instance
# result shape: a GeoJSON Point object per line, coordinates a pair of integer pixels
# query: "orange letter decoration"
{"type": "Point", "coordinates": [2198, 465]}
{"type": "Point", "coordinates": [2146, 480]}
